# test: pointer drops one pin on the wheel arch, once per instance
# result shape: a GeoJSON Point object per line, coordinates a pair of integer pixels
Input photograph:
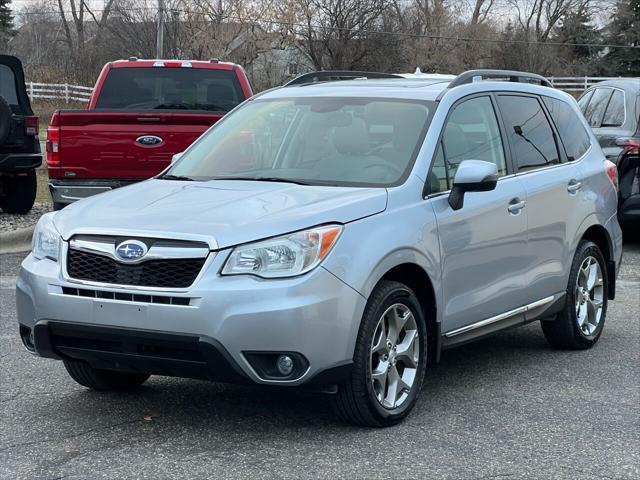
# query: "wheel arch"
{"type": "Point", "coordinates": [599, 235]}
{"type": "Point", "coordinates": [417, 279]}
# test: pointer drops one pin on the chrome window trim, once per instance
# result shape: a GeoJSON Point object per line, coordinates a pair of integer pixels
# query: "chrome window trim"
{"type": "Point", "coordinates": [502, 316]}
{"type": "Point", "coordinates": [65, 276]}
{"type": "Point", "coordinates": [437, 194]}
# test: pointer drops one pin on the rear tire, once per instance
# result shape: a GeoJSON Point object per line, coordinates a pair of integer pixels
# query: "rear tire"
{"type": "Point", "coordinates": [579, 325]}
{"type": "Point", "coordinates": [19, 192]}
{"type": "Point", "coordinates": [105, 380]}
{"type": "Point", "coordinates": [393, 339]}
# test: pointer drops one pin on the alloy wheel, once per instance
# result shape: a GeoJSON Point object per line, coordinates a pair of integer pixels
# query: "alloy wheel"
{"type": "Point", "coordinates": [589, 295]}
{"type": "Point", "coordinates": [395, 354]}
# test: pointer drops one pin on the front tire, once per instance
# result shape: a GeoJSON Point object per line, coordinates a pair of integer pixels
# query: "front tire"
{"type": "Point", "coordinates": [579, 325]}
{"type": "Point", "coordinates": [389, 361]}
{"type": "Point", "coordinates": [20, 192]}
{"type": "Point", "coordinates": [106, 380]}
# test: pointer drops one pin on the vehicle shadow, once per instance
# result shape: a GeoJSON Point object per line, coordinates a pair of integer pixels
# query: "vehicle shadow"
{"type": "Point", "coordinates": [190, 405]}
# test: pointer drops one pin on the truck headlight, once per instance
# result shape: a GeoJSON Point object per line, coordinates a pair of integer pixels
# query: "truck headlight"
{"type": "Point", "coordinates": [285, 256]}
{"type": "Point", "coordinates": [46, 239]}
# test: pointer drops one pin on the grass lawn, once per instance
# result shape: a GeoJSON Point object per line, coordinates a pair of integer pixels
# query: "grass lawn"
{"type": "Point", "coordinates": [42, 196]}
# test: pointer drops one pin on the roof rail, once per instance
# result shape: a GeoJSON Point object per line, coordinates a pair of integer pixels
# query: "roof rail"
{"type": "Point", "coordinates": [328, 75]}
{"type": "Point", "coordinates": [511, 75]}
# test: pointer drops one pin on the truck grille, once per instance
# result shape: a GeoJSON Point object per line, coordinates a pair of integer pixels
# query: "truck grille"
{"type": "Point", "coordinates": [170, 273]}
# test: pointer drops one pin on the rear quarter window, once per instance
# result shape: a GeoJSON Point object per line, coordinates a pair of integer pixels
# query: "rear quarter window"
{"type": "Point", "coordinates": [573, 135]}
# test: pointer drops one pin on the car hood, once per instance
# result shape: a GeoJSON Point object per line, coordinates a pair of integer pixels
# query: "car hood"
{"type": "Point", "coordinates": [222, 213]}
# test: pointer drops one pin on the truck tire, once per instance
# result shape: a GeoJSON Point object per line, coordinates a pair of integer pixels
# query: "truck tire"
{"type": "Point", "coordinates": [6, 120]}
{"type": "Point", "coordinates": [98, 379]}
{"type": "Point", "coordinates": [19, 192]}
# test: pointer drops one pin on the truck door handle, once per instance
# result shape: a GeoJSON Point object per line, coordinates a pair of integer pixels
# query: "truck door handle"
{"type": "Point", "coordinates": [516, 205]}
{"type": "Point", "coordinates": [573, 186]}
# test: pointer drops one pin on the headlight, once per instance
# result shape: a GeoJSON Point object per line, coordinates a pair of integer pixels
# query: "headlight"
{"type": "Point", "coordinates": [46, 239]}
{"type": "Point", "coordinates": [284, 256]}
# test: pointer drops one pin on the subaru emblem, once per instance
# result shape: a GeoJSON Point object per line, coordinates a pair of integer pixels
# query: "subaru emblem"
{"type": "Point", "coordinates": [131, 250]}
{"type": "Point", "coordinates": [149, 140]}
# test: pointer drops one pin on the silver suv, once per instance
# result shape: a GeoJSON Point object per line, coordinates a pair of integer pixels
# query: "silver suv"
{"type": "Point", "coordinates": [336, 235]}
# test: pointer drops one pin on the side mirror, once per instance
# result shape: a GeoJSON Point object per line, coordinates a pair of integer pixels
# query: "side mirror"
{"type": "Point", "coordinates": [175, 158]}
{"type": "Point", "coordinates": [472, 176]}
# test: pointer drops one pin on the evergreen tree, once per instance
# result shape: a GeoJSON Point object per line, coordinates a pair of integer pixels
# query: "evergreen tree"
{"type": "Point", "coordinates": [623, 29]}
{"type": "Point", "coordinates": [577, 28]}
{"type": "Point", "coordinates": [6, 24]}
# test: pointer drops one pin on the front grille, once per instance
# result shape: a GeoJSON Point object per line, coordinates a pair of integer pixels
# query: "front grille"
{"type": "Point", "coordinates": [171, 273]}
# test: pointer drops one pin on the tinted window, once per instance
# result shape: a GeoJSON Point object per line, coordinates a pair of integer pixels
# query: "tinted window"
{"type": "Point", "coordinates": [595, 109]}
{"type": "Point", "coordinates": [572, 133]}
{"type": "Point", "coordinates": [614, 114]}
{"type": "Point", "coordinates": [584, 100]}
{"type": "Point", "coordinates": [8, 85]}
{"type": "Point", "coordinates": [471, 133]}
{"type": "Point", "coordinates": [530, 135]}
{"type": "Point", "coordinates": [170, 88]}
{"type": "Point", "coordinates": [314, 140]}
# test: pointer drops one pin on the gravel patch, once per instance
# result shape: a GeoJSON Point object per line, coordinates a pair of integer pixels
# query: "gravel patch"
{"type": "Point", "coordinates": [9, 222]}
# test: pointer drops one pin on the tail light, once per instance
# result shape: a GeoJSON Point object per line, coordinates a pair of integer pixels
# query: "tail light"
{"type": "Point", "coordinates": [612, 172]}
{"type": "Point", "coordinates": [53, 142]}
{"type": "Point", "coordinates": [630, 146]}
{"type": "Point", "coordinates": [31, 125]}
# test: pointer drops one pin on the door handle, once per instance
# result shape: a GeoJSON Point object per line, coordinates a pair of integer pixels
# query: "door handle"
{"type": "Point", "coordinates": [516, 205]}
{"type": "Point", "coordinates": [573, 186]}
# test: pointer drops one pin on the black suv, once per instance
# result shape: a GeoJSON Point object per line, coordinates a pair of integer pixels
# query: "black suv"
{"type": "Point", "coordinates": [20, 153]}
{"type": "Point", "coordinates": [612, 108]}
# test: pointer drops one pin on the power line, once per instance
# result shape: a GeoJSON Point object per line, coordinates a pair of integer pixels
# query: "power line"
{"type": "Point", "coordinates": [361, 31]}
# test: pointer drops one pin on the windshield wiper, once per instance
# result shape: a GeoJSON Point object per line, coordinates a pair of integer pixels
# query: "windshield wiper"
{"type": "Point", "coordinates": [177, 177]}
{"type": "Point", "coordinates": [263, 179]}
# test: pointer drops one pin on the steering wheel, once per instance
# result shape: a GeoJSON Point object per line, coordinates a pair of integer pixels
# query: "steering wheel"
{"type": "Point", "coordinates": [387, 165]}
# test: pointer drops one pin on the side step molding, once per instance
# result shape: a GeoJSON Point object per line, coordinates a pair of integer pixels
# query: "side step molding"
{"type": "Point", "coordinates": [502, 316]}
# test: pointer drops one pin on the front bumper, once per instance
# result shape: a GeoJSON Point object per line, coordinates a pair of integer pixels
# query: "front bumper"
{"type": "Point", "coordinates": [69, 191]}
{"type": "Point", "coordinates": [315, 315]}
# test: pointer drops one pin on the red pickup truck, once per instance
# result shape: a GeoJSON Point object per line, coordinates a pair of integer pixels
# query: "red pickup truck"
{"type": "Point", "coordinates": [141, 113]}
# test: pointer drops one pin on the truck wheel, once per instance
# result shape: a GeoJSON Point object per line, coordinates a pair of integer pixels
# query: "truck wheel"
{"type": "Point", "coordinates": [580, 323]}
{"type": "Point", "coordinates": [389, 360]}
{"type": "Point", "coordinates": [6, 120]}
{"type": "Point", "coordinates": [20, 192]}
{"type": "Point", "coordinates": [97, 379]}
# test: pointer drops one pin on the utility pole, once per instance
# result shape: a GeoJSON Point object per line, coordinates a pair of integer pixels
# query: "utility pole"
{"type": "Point", "coordinates": [160, 30]}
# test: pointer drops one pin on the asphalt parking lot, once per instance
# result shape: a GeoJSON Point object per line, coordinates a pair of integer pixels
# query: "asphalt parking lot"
{"type": "Point", "coordinates": [505, 407]}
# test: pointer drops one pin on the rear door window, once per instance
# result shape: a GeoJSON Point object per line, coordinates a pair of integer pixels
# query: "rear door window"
{"type": "Point", "coordinates": [583, 101]}
{"type": "Point", "coordinates": [161, 88]}
{"type": "Point", "coordinates": [614, 114]}
{"type": "Point", "coordinates": [529, 132]}
{"type": "Point", "coordinates": [574, 136]}
{"type": "Point", "coordinates": [8, 85]}
{"type": "Point", "coordinates": [594, 111]}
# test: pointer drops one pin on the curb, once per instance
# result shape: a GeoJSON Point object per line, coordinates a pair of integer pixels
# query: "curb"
{"type": "Point", "coordinates": [16, 241]}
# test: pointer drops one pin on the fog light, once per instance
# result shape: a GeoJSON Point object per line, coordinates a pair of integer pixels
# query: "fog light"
{"type": "Point", "coordinates": [285, 365]}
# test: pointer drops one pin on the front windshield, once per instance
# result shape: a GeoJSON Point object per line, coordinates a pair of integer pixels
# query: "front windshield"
{"type": "Point", "coordinates": [318, 141]}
